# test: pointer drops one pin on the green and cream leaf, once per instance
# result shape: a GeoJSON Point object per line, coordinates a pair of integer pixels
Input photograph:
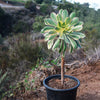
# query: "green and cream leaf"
{"type": "Point", "coordinates": [78, 44]}
{"type": "Point", "coordinates": [72, 15]}
{"type": "Point", "coordinates": [46, 29]}
{"type": "Point", "coordinates": [77, 28]}
{"type": "Point", "coordinates": [56, 44]}
{"type": "Point", "coordinates": [75, 37]}
{"type": "Point", "coordinates": [61, 46]}
{"type": "Point", "coordinates": [66, 39]}
{"type": "Point", "coordinates": [64, 48]}
{"type": "Point", "coordinates": [70, 49]}
{"type": "Point", "coordinates": [64, 14]}
{"type": "Point", "coordinates": [60, 11]}
{"type": "Point", "coordinates": [72, 42]}
{"type": "Point", "coordinates": [50, 44]}
{"type": "Point", "coordinates": [75, 20]}
{"type": "Point", "coordinates": [52, 32]}
{"type": "Point", "coordinates": [53, 17]}
{"type": "Point", "coordinates": [52, 37]}
{"type": "Point", "coordinates": [81, 35]}
{"type": "Point", "coordinates": [80, 23]}
{"type": "Point", "coordinates": [68, 20]}
{"type": "Point", "coordinates": [50, 22]}
{"type": "Point", "coordinates": [59, 18]}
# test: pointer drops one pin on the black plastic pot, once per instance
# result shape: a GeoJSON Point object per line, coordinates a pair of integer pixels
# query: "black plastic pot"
{"type": "Point", "coordinates": [61, 94]}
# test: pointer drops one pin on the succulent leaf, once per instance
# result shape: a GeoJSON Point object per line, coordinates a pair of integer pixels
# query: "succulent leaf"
{"type": "Point", "coordinates": [73, 43]}
{"type": "Point", "coordinates": [60, 11]}
{"type": "Point", "coordinates": [46, 28]}
{"type": "Point", "coordinates": [59, 24]}
{"type": "Point", "coordinates": [52, 32]}
{"type": "Point", "coordinates": [52, 37]}
{"type": "Point", "coordinates": [65, 46]}
{"type": "Point", "coordinates": [66, 39]}
{"type": "Point", "coordinates": [80, 23]}
{"type": "Point", "coordinates": [68, 20]}
{"type": "Point", "coordinates": [70, 49]}
{"type": "Point", "coordinates": [75, 20]}
{"type": "Point", "coordinates": [50, 43]}
{"type": "Point", "coordinates": [59, 17]}
{"type": "Point", "coordinates": [78, 44]}
{"type": "Point", "coordinates": [56, 44]}
{"type": "Point", "coordinates": [53, 16]}
{"type": "Point", "coordinates": [50, 22]}
{"type": "Point", "coordinates": [81, 35]}
{"type": "Point", "coordinates": [46, 38]}
{"type": "Point", "coordinates": [72, 15]}
{"type": "Point", "coordinates": [47, 35]}
{"type": "Point", "coordinates": [75, 37]}
{"type": "Point", "coordinates": [64, 14]}
{"type": "Point", "coordinates": [77, 28]}
{"type": "Point", "coordinates": [61, 46]}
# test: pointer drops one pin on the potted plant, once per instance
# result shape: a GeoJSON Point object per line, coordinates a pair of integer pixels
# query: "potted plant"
{"type": "Point", "coordinates": [62, 34]}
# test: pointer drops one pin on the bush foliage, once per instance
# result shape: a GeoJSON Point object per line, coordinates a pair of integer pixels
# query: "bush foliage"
{"type": "Point", "coordinates": [38, 24]}
{"type": "Point", "coordinates": [21, 27]}
{"type": "Point", "coordinates": [45, 9]}
{"type": "Point", "coordinates": [21, 48]}
{"type": "Point", "coordinates": [5, 23]}
{"type": "Point", "coordinates": [1, 39]}
{"type": "Point", "coordinates": [31, 6]}
{"type": "Point", "coordinates": [3, 79]}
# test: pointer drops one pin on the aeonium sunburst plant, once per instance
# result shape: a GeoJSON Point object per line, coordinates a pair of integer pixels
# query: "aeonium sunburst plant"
{"type": "Point", "coordinates": [62, 33]}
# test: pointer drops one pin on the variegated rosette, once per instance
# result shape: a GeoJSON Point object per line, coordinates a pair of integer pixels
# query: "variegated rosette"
{"type": "Point", "coordinates": [62, 31]}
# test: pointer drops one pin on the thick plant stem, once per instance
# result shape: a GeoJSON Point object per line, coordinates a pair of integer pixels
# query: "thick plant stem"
{"type": "Point", "coordinates": [62, 70]}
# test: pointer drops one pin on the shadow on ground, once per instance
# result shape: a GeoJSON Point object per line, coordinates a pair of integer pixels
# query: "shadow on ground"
{"type": "Point", "coordinates": [88, 96]}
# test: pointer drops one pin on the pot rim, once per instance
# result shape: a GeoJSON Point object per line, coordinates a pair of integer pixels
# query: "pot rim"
{"type": "Point", "coordinates": [54, 76]}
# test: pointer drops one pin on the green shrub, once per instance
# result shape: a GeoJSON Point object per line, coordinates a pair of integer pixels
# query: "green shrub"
{"type": "Point", "coordinates": [92, 39]}
{"type": "Point", "coordinates": [2, 83]}
{"type": "Point", "coordinates": [45, 1]}
{"type": "Point", "coordinates": [1, 39]}
{"type": "Point", "coordinates": [39, 1]}
{"type": "Point", "coordinates": [4, 58]}
{"type": "Point", "coordinates": [31, 6]}
{"type": "Point", "coordinates": [21, 26]}
{"type": "Point", "coordinates": [67, 5]}
{"type": "Point", "coordinates": [38, 24]}
{"type": "Point", "coordinates": [48, 1]}
{"type": "Point", "coordinates": [23, 49]}
{"type": "Point", "coordinates": [5, 23]}
{"type": "Point", "coordinates": [1, 12]}
{"type": "Point", "coordinates": [45, 9]}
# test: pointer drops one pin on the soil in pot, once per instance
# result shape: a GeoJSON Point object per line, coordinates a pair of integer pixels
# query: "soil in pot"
{"type": "Point", "coordinates": [56, 83]}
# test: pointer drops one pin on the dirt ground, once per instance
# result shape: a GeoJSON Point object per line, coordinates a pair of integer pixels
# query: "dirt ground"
{"type": "Point", "coordinates": [89, 77]}
{"type": "Point", "coordinates": [89, 88]}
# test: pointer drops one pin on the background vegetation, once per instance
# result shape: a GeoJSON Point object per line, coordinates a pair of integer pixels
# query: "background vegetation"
{"type": "Point", "coordinates": [21, 43]}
